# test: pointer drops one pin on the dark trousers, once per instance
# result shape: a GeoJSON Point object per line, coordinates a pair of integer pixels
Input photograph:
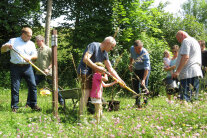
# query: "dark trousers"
{"type": "Point", "coordinates": [188, 86]}
{"type": "Point", "coordinates": [137, 84]}
{"type": "Point", "coordinates": [17, 73]}
{"type": "Point", "coordinates": [40, 78]}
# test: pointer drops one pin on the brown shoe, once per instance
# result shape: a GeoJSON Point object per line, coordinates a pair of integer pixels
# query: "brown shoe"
{"type": "Point", "coordinates": [36, 108]}
{"type": "Point", "coordinates": [14, 110]}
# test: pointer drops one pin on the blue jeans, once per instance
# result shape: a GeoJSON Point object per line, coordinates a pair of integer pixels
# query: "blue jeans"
{"type": "Point", "coordinates": [40, 78]}
{"type": "Point", "coordinates": [17, 72]}
{"type": "Point", "coordinates": [137, 84]}
{"type": "Point", "coordinates": [187, 89]}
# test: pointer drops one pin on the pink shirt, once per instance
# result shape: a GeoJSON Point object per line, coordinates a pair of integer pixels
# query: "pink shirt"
{"type": "Point", "coordinates": [97, 87]}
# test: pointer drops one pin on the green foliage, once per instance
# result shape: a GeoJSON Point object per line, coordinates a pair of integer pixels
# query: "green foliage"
{"type": "Point", "coordinates": [196, 8]}
{"type": "Point", "coordinates": [91, 20]}
{"type": "Point", "coordinates": [5, 76]}
{"type": "Point", "coordinates": [156, 49]}
{"type": "Point", "coordinates": [94, 20]}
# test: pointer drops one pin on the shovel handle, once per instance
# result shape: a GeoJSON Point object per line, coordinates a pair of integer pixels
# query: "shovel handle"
{"type": "Point", "coordinates": [30, 63]}
{"type": "Point", "coordinates": [126, 87]}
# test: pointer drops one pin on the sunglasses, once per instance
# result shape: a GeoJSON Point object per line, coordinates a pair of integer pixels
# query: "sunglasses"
{"type": "Point", "coordinates": [174, 51]}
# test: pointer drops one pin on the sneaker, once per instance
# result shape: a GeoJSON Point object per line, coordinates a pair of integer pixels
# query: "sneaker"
{"type": "Point", "coordinates": [36, 108]}
{"type": "Point", "coordinates": [14, 110]}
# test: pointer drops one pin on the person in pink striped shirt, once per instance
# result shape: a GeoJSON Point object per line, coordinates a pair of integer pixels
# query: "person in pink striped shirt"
{"type": "Point", "coordinates": [97, 90]}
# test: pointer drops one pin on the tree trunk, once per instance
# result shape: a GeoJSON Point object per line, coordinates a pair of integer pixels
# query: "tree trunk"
{"type": "Point", "coordinates": [48, 18]}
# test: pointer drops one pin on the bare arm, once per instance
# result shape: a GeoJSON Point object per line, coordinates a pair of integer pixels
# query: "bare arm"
{"type": "Point", "coordinates": [105, 77]}
{"type": "Point", "coordinates": [183, 61]}
{"type": "Point", "coordinates": [112, 71]}
{"type": "Point", "coordinates": [108, 84]}
{"type": "Point", "coordinates": [145, 76]}
{"type": "Point", "coordinates": [5, 47]}
{"type": "Point", "coordinates": [33, 57]}
{"type": "Point", "coordinates": [88, 62]}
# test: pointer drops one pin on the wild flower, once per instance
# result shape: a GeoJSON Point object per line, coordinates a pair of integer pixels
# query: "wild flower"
{"type": "Point", "coordinates": [143, 131]}
{"type": "Point", "coordinates": [129, 135]}
{"type": "Point", "coordinates": [196, 134]}
{"type": "Point", "coordinates": [159, 128]}
{"type": "Point", "coordinates": [173, 122]}
{"type": "Point", "coordinates": [112, 136]}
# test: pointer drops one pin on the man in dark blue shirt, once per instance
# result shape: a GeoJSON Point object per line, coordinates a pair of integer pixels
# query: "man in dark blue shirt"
{"type": "Point", "coordinates": [95, 52]}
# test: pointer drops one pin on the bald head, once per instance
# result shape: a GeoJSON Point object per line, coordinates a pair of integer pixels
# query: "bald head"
{"type": "Point", "coordinates": [181, 35]}
{"type": "Point", "coordinates": [26, 34]}
{"type": "Point", "coordinates": [26, 30]}
{"type": "Point", "coordinates": [110, 40]}
{"type": "Point", "coordinates": [108, 43]}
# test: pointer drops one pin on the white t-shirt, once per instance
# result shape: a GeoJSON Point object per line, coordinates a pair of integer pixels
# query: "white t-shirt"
{"type": "Point", "coordinates": [166, 62]}
{"type": "Point", "coordinates": [190, 47]}
{"type": "Point", "coordinates": [26, 49]}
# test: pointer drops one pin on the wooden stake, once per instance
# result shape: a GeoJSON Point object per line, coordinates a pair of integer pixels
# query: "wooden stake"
{"type": "Point", "coordinates": [55, 73]}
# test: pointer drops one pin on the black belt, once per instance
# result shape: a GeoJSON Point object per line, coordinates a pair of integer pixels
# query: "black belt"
{"type": "Point", "coordinates": [20, 65]}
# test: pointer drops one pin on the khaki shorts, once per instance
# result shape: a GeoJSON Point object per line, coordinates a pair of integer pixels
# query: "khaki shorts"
{"type": "Point", "coordinates": [86, 81]}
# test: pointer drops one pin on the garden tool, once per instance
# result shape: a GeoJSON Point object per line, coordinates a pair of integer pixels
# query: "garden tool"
{"type": "Point", "coordinates": [126, 87]}
{"type": "Point", "coordinates": [146, 91]}
{"type": "Point", "coordinates": [31, 63]}
{"type": "Point", "coordinates": [145, 88]}
{"type": "Point", "coordinates": [49, 76]}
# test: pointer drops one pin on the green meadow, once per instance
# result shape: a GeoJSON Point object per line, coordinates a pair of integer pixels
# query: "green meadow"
{"type": "Point", "coordinates": [157, 119]}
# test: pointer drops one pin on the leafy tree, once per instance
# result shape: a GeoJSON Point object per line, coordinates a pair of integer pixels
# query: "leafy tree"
{"type": "Point", "coordinates": [15, 14]}
{"type": "Point", "coordinates": [196, 8]}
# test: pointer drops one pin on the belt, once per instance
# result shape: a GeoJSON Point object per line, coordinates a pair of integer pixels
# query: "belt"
{"type": "Point", "coordinates": [20, 65]}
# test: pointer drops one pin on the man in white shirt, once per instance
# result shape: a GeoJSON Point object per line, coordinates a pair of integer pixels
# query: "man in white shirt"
{"type": "Point", "coordinates": [21, 68]}
{"type": "Point", "coordinates": [188, 65]}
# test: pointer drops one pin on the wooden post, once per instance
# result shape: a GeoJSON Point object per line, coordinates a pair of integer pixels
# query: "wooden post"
{"type": "Point", "coordinates": [54, 73]}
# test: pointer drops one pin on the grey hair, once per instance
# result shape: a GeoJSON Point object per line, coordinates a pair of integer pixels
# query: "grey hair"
{"type": "Point", "coordinates": [40, 38]}
{"type": "Point", "coordinates": [110, 39]}
{"type": "Point", "coordinates": [138, 43]}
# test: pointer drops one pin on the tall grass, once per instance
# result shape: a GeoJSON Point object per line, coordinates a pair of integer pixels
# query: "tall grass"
{"type": "Point", "coordinates": [158, 119]}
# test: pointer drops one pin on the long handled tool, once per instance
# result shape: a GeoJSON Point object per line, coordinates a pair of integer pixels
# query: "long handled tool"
{"type": "Point", "coordinates": [126, 87]}
{"type": "Point", "coordinates": [48, 76]}
{"type": "Point", "coordinates": [147, 91]}
{"type": "Point", "coordinates": [31, 63]}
